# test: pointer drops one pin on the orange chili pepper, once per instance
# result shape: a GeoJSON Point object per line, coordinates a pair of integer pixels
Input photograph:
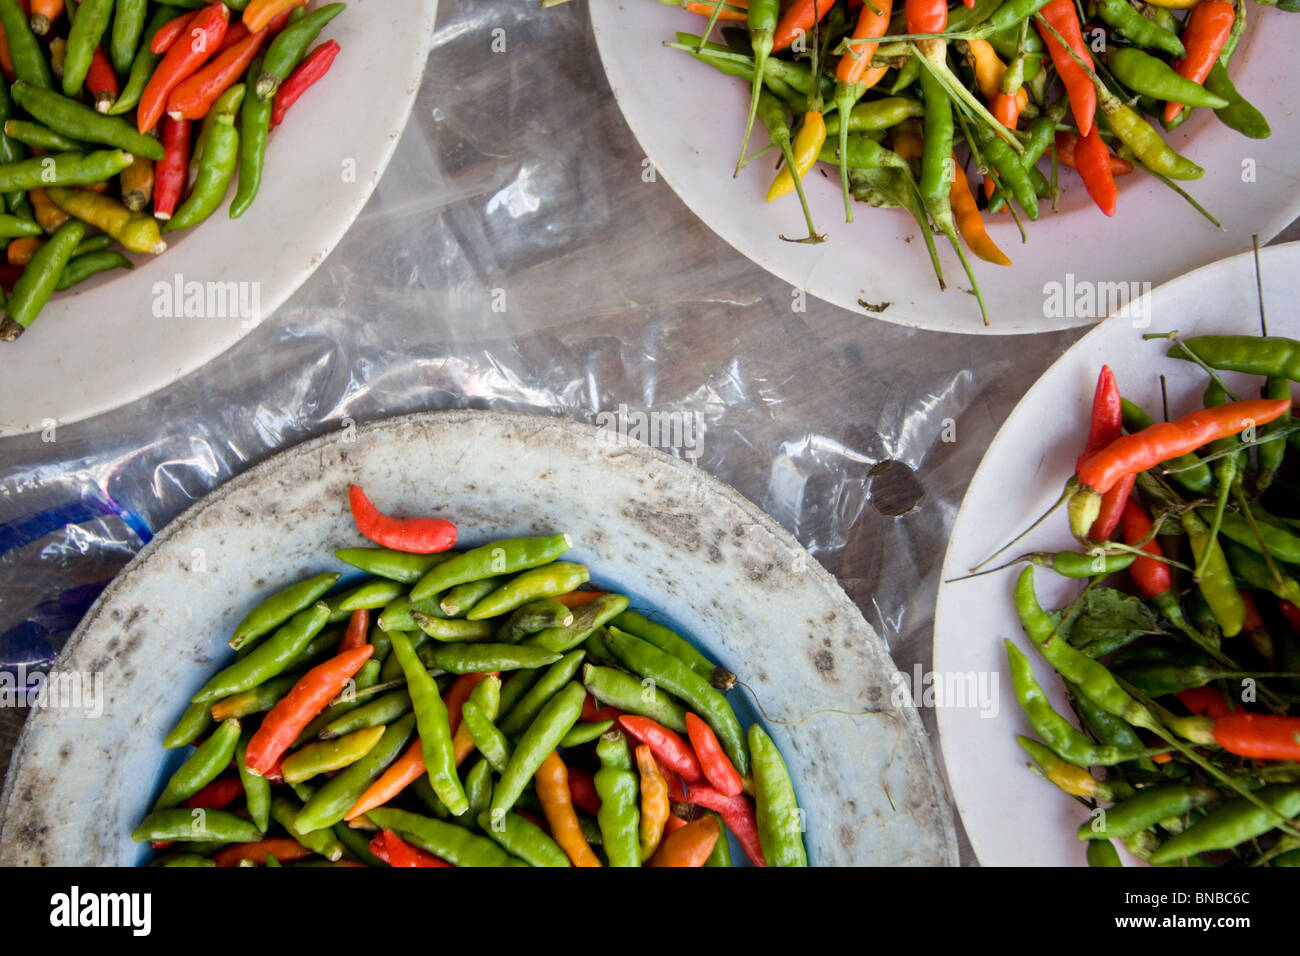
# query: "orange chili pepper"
{"type": "Point", "coordinates": [6, 59]}
{"type": "Point", "coordinates": [689, 846]}
{"type": "Point", "coordinates": [577, 598]}
{"type": "Point", "coordinates": [797, 20]}
{"type": "Point", "coordinates": [21, 250]}
{"type": "Point", "coordinates": [44, 13]}
{"type": "Point", "coordinates": [552, 782]}
{"type": "Point", "coordinates": [193, 98]}
{"type": "Point", "coordinates": [1067, 142]}
{"type": "Point", "coordinates": [48, 216]}
{"type": "Point", "coordinates": [718, 769]}
{"type": "Point", "coordinates": [137, 183]}
{"type": "Point", "coordinates": [1061, 16]}
{"type": "Point", "coordinates": [170, 31]}
{"type": "Point", "coordinates": [1204, 36]}
{"type": "Point", "coordinates": [259, 13]}
{"type": "Point", "coordinates": [1092, 160]}
{"type": "Point", "coordinates": [181, 61]}
{"type": "Point", "coordinates": [401, 773]}
{"type": "Point", "coordinates": [655, 809]}
{"type": "Point", "coordinates": [358, 627]}
{"type": "Point", "coordinates": [282, 848]}
{"type": "Point", "coordinates": [854, 65]}
{"type": "Point", "coordinates": [908, 142]}
{"type": "Point", "coordinates": [705, 9]}
{"type": "Point", "coordinates": [969, 221]}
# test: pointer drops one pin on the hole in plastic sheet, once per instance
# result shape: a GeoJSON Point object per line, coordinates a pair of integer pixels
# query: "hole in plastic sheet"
{"type": "Point", "coordinates": [894, 489]}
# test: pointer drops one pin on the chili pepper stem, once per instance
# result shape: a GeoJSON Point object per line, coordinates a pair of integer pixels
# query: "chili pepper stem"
{"type": "Point", "coordinates": [1071, 487]}
{"type": "Point", "coordinates": [957, 91]}
{"type": "Point", "coordinates": [761, 41]}
{"type": "Point", "coordinates": [708, 28]}
{"type": "Point", "coordinates": [813, 238]}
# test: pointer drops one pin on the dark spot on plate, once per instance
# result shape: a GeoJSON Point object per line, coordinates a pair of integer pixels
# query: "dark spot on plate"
{"type": "Point", "coordinates": [824, 661]}
{"type": "Point", "coordinates": [894, 488]}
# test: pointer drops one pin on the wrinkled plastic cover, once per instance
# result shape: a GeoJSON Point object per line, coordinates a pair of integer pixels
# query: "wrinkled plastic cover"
{"type": "Point", "coordinates": [514, 257]}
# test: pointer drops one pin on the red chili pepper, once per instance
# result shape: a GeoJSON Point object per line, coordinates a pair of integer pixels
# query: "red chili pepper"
{"type": "Point", "coordinates": [458, 693]}
{"type": "Point", "coordinates": [737, 813]}
{"type": "Point", "coordinates": [182, 60]}
{"type": "Point", "coordinates": [593, 713]}
{"type": "Point", "coordinates": [674, 822]}
{"type": "Point", "coordinates": [1078, 86]}
{"type": "Point", "coordinates": [170, 171]}
{"type": "Point", "coordinates": [667, 746]}
{"type": "Point", "coordinates": [1261, 736]}
{"type": "Point", "coordinates": [101, 81]}
{"type": "Point", "coordinates": [193, 98]}
{"type": "Point", "coordinates": [1006, 109]}
{"type": "Point", "coordinates": [416, 535]}
{"type": "Point", "coordinates": [1252, 620]}
{"type": "Point", "coordinates": [582, 788]}
{"type": "Point", "coordinates": [676, 789]}
{"type": "Point", "coordinates": [219, 793]}
{"type": "Point", "coordinates": [1130, 454]}
{"type": "Point", "coordinates": [379, 849]}
{"type": "Point", "coordinates": [282, 848]}
{"type": "Point", "coordinates": [798, 21]}
{"type": "Point", "coordinates": [721, 774]}
{"type": "Point", "coordinates": [1092, 160]}
{"type": "Point", "coordinates": [1105, 425]}
{"type": "Point", "coordinates": [925, 16]}
{"type": "Point", "coordinates": [1204, 702]}
{"type": "Point", "coordinates": [1151, 575]}
{"type": "Point", "coordinates": [306, 73]}
{"type": "Point", "coordinates": [1067, 140]}
{"type": "Point", "coordinates": [358, 628]}
{"type": "Point", "coordinates": [170, 31]}
{"type": "Point", "coordinates": [401, 853]}
{"type": "Point", "coordinates": [300, 706]}
{"type": "Point", "coordinates": [1204, 36]}
{"type": "Point", "coordinates": [1291, 613]}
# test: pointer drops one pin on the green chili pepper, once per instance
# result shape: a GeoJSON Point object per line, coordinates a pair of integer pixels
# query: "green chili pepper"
{"type": "Point", "coordinates": [219, 156]}
{"type": "Point", "coordinates": [560, 673]}
{"type": "Point", "coordinates": [780, 821]}
{"type": "Point", "coordinates": [1273, 356]}
{"type": "Point", "coordinates": [289, 46]}
{"type": "Point", "coordinates": [1144, 73]}
{"type": "Point", "coordinates": [279, 607]}
{"type": "Point", "coordinates": [392, 668]}
{"type": "Point", "coordinates": [398, 615]}
{"type": "Point", "coordinates": [619, 817]}
{"type": "Point", "coordinates": [673, 643]}
{"type": "Point", "coordinates": [394, 565]}
{"type": "Point", "coordinates": [187, 859]}
{"type": "Point", "coordinates": [1216, 584]}
{"type": "Point", "coordinates": [12, 227]}
{"type": "Point", "coordinates": [1252, 568]}
{"type": "Point", "coordinates": [81, 122]}
{"type": "Point", "coordinates": [373, 594]}
{"type": "Point", "coordinates": [270, 658]}
{"type": "Point", "coordinates": [82, 268]}
{"type": "Point", "coordinates": [621, 690]}
{"type": "Point", "coordinates": [533, 617]}
{"type": "Point", "coordinates": [41, 274]}
{"type": "Point", "coordinates": [128, 29]}
{"type": "Point", "coordinates": [1239, 113]}
{"type": "Point", "coordinates": [456, 845]}
{"type": "Point", "coordinates": [1102, 853]}
{"type": "Point", "coordinates": [1280, 543]}
{"type": "Point", "coordinates": [381, 710]}
{"type": "Point", "coordinates": [435, 728]}
{"type": "Point", "coordinates": [41, 137]}
{"type": "Point", "coordinates": [143, 63]}
{"type": "Point", "coordinates": [1145, 809]}
{"type": "Point", "coordinates": [193, 722]}
{"type": "Point", "coordinates": [650, 662]}
{"type": "Point", "coordinates": [87, 30]}
{"type": "Point", "coordinates": [936, 158]}
{"type": "Point", "coordinates": [478, 790]}
{"type": "Point", "coordinates": [462, 599]}
{"type": "Point", "coordinates": [501, 557]}
{"type": "Point", "coordinates": [907, 75]}
{"type": "Point", "coordinates": [1234, 822]}
{"type": "Point", "coordinates": [28, 58]}
{"type": "Point", "coordinates": [873, 115]}
{"type": "Point", "coordinates": [861, 152]}
{"type": "Point", "coordinates": [328, 805]}
{"type": "Point", "coordinates": [549, 580]}
{"type": "Point", "coordinates": [1106, 727]}
{"type": "Point", "coordinates": [325, 841]}
{"type": "Point", "coordinates": [521, 837]}
{"type": "Point", "coordinates": [1140, 136]}
{"type": "Point", "coordinates": [356, 843]}
{"type": "Point", "coordinates": [587, 619]}
{"type": "Point", "coordinates": [257, 789]}
{"type": "Point", "coordinates": [585, 733]}
{"type": "Point", "coordinates": [325, 756]}
{"type": "Point", "coordinates": [254, 129]}
{"type": "Point", "coordinates": [721, 855]}
{"type": "Point", "coordinates": [491, 743]}
{"type": "Point", "coordinates": [482, 658]}
{"type": "Point", "coordinates": [1075, 564]}
{"type": "Point", "coordinates": [538, 741]}
{"type": "Point", "coordinates": [186, 825]}
{"type": "Point", "coordinates": [207, 762]}
{"type": "Point", "coordinates": [261, 698]}
{"type": "Point", "coordinates": [1290, 858]}
{"type": "Point", "coordinates": [1128, 23]}
{"type": "Point", "coordinates": [452, 629]}
{"type": "Point", "coordinates": [1065, 740]}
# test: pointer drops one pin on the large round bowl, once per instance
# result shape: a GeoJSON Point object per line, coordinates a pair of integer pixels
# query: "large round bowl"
{"type": "Point", "coordinates": [664, 532]}
{"type": "Point", "coordinates": [122, 335]}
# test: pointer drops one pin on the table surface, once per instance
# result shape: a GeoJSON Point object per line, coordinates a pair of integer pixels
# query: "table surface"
{"type": "Point", "coordinates": [514, 257]}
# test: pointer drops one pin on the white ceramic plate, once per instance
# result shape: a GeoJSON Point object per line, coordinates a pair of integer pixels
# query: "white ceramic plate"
{"type": "Point", "coordinates": [121, 336]}
{"type": "Point", "coordinates": [655, 527]}
{"type": "Point", "coordinates": [690, 120]}
{"type": "Point", "coordinates": [1012, 816]}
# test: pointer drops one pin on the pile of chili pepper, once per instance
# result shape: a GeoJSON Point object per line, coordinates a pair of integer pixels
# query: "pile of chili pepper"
{"type": "Point", "coordinates": [1181, 656]}
{"type": "Point", "coordinates": [911, 99]}
{"type": "Point", "coordinates": [127, 119]}
{"type": "Point", "coordinates": [475, 708]}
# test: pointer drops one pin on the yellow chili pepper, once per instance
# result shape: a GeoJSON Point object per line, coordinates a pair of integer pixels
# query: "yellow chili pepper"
{"type": "Point", "coordinates": [988, 72]}
{"type": "Point", "coordinates": [807, 144]}
{"type": "Point", "coordinates": [136, 231]}
{"type": "Point", "coordinates": [48, 216]}
{"type": "Point", "coordinates": [969, 221]}
{"type": "Point", "coordinates": [655, 806]}
{"type": "Point", "coordinates": [1175, 4]}
{"type": "Point", "coordinates": [552, 782]}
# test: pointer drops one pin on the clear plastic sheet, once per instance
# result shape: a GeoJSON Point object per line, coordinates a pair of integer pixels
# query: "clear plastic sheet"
{"type": "Point", "coordinates": [513, 258]}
